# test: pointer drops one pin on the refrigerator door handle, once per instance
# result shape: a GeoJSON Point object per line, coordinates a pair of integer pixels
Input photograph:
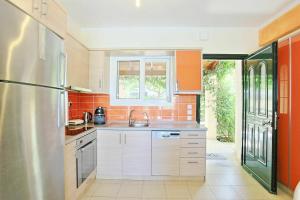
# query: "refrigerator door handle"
{"type": "Point", "coordinates": [61, 117]}
{"type": "Point", "coordinates": [63, 69]}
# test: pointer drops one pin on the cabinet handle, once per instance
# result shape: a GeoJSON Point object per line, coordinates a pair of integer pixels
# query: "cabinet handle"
{"type": "Point", "coordinates": [100, 84]}
{"type": "Point", "coordinates": [193, 143]}
{"type": "Point", "coordinates": [177, 86]}
{"type": "Point", "coordinates": [44, 9]}
{"type": "Point", "coordinates": [193, 162]}
{"type": "Point", "coordinates": [193, 135]}
{"type": "Point", "coordinates": [192, 152]}
{"type": "Point", "coordinates": [120, 138]}
{"type": "Point", "coordinates": [125, 138]}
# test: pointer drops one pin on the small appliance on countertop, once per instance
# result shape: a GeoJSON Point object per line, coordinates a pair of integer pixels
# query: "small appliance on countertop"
{"type": "Point", "coordinates": [87, 117]}
{"type": "Point", "coordinates": [99, 117]}
{"type": "Point", "coordinates": [75, 122]}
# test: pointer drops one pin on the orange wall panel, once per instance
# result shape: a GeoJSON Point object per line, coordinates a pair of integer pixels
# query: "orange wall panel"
{"type": "Point", "coordinates": [295, 112]}
{"type": "Point", "coordinates": [188, 70]}
{"type": "Point", "coordinates": [283, 111]}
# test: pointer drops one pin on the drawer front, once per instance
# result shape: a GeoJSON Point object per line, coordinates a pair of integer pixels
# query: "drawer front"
{"type": "Point", "coordinates": [193, 142]}
{"type": "Point", "coordinates": [193, 134]}
{"type": "Point", "coordinates": [192, 166]}
{"type": "Point", "coordinates": [192, 152]}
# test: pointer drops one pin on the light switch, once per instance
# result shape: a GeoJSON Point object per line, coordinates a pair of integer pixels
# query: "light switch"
{"type": "Point", "coordinates": [189, 112]}
{"type": "Point", "coordinates": [189, 106]}
{"type": "Point", "coordinates": [189, 118]}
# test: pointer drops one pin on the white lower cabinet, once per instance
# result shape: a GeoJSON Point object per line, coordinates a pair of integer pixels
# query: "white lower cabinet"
{"type": "Point", "coordinates": [124, 153]}
{"type": "Point", "coordinates": [137, 153]}
{"type": "Point", "coordinates": [193, 153]}
{"type": "Point", "coordinates": [109, 161]}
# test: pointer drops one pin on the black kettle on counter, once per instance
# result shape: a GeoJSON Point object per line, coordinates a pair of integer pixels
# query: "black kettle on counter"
{"type": "Point", "coordinates": [99, 117]}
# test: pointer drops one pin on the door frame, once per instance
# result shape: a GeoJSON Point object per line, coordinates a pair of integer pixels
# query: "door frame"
{"type": "Point", "coordinates": [274, 119]}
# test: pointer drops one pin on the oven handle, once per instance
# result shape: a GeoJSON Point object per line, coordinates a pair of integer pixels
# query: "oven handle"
{"type": "Point", "coordinates": [87, 144]}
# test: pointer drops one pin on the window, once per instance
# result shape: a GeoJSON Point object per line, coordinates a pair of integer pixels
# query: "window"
{"type": "Point", "coordinates": [140, 80]}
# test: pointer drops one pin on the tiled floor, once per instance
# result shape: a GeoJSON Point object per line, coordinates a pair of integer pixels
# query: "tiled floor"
{"type": "Point", "coordinates": [225, 180]}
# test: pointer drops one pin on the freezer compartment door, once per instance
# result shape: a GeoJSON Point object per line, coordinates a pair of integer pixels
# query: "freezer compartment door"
{"type": "Point", "coordinates": [31, 142]}
{"type": "Point", "coordinates": [29, 52]}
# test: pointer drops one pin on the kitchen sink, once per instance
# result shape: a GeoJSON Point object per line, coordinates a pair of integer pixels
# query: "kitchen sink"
{"type": "Point", "coordinates": [137, 125]}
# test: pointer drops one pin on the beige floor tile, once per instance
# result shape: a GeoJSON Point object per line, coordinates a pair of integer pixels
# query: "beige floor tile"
{"type": "Point", "coordinates": [175, 182]}
{"type": "Point", "coordinates": [107, 189]}
{"type": "Point", "coordinates": [225, 193]}
{"type": "Point", "coordinates": [111, 181]}
{"type": "Point", "coordinates": [177, 191]}
{"type": "Point", "coordinates": [154, 182]}
{"type": "Point", "coordinates": [102, 198]}
{"type": "Point", "coordinates": [131, 190]}
{"type": "Point", "coordinates": [252, 192]}
{"type": "Point", "coordinates": [154, 191]}
{"type": "Point", "coordinates": [201, 192]}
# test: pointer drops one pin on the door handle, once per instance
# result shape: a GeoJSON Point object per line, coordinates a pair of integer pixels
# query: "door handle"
{"type": "Point", "coordinates": [267, 123]}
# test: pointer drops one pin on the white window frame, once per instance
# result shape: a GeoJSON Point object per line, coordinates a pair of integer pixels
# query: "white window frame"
{"type": "Point", "coordinates": [141, 101]}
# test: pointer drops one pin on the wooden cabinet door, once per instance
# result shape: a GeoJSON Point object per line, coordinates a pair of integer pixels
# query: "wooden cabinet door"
{"type": "Point", "coordinates": [137, 153]}
{"type": "Point", "coordinates": [109, 161]}
{"type": "Point", "coordinates": [25, 5]}
{"type": "Point", "coordinates": [99, 72]}
{"type": "Point", "coordinates": [70, 171]}
{"type": "Point", "coordinates": [188, 71]}
{"type": "Point", "coordinates": [54, 17]}
{"type": "Point", "coordinates": [78, 63]}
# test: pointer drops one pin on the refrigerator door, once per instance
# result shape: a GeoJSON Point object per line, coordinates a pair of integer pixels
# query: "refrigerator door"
{"type": "Point", "coordinates": [31, 142]}
{"type": "Point", "coordinates": [29, 52]}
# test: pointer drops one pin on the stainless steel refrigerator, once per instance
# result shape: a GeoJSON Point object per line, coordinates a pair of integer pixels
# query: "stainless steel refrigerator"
{"type": "Point", "coordinates": [32, 108]}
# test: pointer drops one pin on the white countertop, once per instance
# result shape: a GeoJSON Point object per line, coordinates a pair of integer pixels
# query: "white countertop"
{"type": "Point", "coordinates": [180, 126]}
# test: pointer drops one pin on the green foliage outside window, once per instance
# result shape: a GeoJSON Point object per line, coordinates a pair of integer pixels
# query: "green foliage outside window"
{"type": "Point", "coordinates": [220, 83]}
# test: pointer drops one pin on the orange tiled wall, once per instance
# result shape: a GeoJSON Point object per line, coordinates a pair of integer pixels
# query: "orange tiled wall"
{"type": "Point", "coordinates": [179, 111]}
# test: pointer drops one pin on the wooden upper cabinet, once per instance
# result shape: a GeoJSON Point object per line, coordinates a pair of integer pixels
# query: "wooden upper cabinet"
{"type": "Point", "coordinates": [54, 16]}
{"type": "Point", "coordinates": [188, 71]}
{"type": "Point", "coordinates": [48, 12]}
{"type": "Point", "coordinates": [78, 63]}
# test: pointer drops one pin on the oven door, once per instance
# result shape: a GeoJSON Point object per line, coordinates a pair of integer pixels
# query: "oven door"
{"type": "Point", "coordinates": [86, 161]}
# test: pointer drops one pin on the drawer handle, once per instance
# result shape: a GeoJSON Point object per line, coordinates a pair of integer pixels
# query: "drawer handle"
{"type": "Point", "coordinates": [193, 162]}
{"type": "Point", "coordinates": [192, 152]}
{"type": "Point", "coordinates": [193, 143]}
{"type": "Point", "coordinates": [193, 135]}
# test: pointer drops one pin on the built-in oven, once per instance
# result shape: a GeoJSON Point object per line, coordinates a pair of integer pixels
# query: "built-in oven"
{"type": "Point", "coordinates": [86, 156]}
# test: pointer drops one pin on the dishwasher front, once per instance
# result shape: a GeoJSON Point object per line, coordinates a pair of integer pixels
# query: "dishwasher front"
{"type": "Point", "coordinates": [165, 153]}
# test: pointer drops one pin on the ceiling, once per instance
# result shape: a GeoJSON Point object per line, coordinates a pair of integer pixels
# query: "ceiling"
{"type": "Point", "coordinates": [172, 13]}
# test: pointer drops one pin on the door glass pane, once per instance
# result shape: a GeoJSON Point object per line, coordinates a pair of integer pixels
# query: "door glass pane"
{"type": "Point", "coordinates": [263, 89]}
{"type": "Point", "coordinates": [251, 90]}
{"type": "Point", "coordinates": [155, 80]}
{"type": "Point", "coordinates": [128, 80]}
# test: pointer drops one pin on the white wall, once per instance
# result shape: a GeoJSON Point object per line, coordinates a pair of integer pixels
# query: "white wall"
{"type": "Point", "coordinates": [211, 40]}
{"type": "Point", "coordinates": [238, 109]}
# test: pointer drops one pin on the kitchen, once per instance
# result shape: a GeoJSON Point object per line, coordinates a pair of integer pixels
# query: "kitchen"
{"type": "Point", "coordinates": [104, 107]}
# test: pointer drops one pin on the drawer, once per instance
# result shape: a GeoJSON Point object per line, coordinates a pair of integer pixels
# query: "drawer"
{"type": "Point", "coordinates": [192, 166]}
{"type": "Point", "coordinates": [193, 142]}
{"type": "Point", "coordinates": [193, 134]}
{"type": "Point", "coordinates": [192, 152]}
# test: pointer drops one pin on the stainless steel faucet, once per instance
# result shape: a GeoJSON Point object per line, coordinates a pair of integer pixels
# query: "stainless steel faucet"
{"type": "Point", "coordinates": [132, 121]}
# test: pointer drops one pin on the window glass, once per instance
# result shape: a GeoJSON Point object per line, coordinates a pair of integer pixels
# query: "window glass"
{"type": "Point", "coordinates": [155, 80]}
{"type": "Point", "coordinates": [128, 80]}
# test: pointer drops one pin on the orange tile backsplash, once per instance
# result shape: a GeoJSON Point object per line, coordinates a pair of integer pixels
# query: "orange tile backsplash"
{"type": "Point", "coordinates": [183, 108]}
